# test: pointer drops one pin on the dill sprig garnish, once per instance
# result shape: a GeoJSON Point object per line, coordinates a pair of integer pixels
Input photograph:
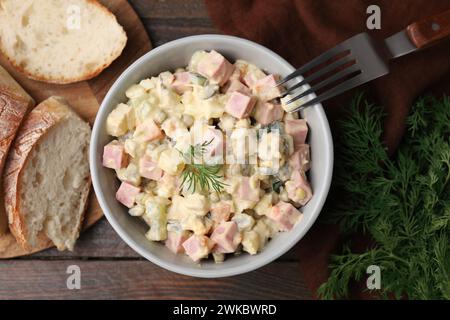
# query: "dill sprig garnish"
{"type": "Point", "coordinates": [201, 175]}
{"type": "Point", "coordinates": [401, 202]}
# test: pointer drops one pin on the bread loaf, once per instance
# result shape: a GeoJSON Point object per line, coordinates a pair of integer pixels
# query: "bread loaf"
{"type": "Point", "coordinates": [59, 41]}
{"type": "Point", "coordinates": [46, 177]}
{"type": "Point", "coordinates": [14, 104]}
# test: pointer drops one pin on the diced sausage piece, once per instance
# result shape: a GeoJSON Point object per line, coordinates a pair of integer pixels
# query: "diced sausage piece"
{"type": "Point", "coordinates": [285, 214]}
{"type": "Point", "coordinates": [298, 129]}
{"type": "Point", "coordinates": [175, 241]}
{"type": "Point", "coordinates": [267, 112]}
{"type": "Point", "coordinates": [266, 88]}
{"type": "Point", "coordinates": [114, 156]}
{"type": "Point", "coordinates": [127, 194]}
{"type": "Point", "coordinates": [216, 144]}
{"type": "Point", "coordinates": [198, 247]}
{"type": "Point", "coordinates": [300, 159]}
{"type": "Point", "coordinates": [247, 191]}
{"type": "Point", "coordinates": [249, 80]}
{"type": "Point", "coordinates": [240, 105]}
{"type": "Point", "coordinates": [215, 67]}
{"type": "Point", "coordinates": [235, 85]}
{"type": "Point", "coordinates": [221, 211]}
{"type": "Point", "coordinates": [148, 131]}
{"type": "Point", "coordinates": [182, 82]}
{"type": "Point", "coordinates": [298, 188]}
{"type": "Point", "coordinates": [149, 169]}
{"type": "Point", "coordinates": [227, 237]}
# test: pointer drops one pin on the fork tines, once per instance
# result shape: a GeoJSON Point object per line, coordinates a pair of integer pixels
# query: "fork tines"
{"type": "Point", "coordinates": [335, 71]}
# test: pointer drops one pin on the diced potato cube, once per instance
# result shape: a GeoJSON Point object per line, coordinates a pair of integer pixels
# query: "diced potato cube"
{"type": "Point", "coordinates": [175, 212]}
{"type": "Point", "coordinates": [264, 205]}
{"type": "Point", "coordinates": [241, 205]}
{"type": "Point", "coordinates": [133, 148]}
{"type": "Point", "coordinates": [244, 221]}
{"type": "Point", "coordinates": [266, 88]}
{"type": "Point", "coordinates": [148, 84]}
{"type": "Point", "coordinates": [166, 78]}
{"type": "Point", "coordinates": [227, 122]}
{"type": "Point", "coordinates": [171, 161]}
{"type": "Point", "coordinates": [196, 204]}
{"type": "Point", "coordinates": [143, 111]}
{"type": "Point", "coordinates": [120, 120]}
{"type": "Point", "coordinates": [196, 57]}
{"type": "Point", "coordinates": [251, 242]}
{"type": "Point", "coordinates": [135, 91]}
{"type": "Point", "coordinates": [263, 231]}
{"type": "Point", "coordinates": [174, 127]}
{"type": "Point", "coordinates": [130, 174]}
{"type": "Point", "coordinates": [218, 257]}
{"type": "Point", "coordinates": [167, 186]}
{"type": "Point", "coordinates": [251, 74]}
{"type": "Point", "coordinates": [197, 224]}
{"type": "Point", "coordinates": [169, 99]}
{"type": "Point", "coordinates": [137, 211]}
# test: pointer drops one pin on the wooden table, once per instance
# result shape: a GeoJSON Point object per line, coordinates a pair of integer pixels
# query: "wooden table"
{"type": "Point", "coordinates": [109, 268]}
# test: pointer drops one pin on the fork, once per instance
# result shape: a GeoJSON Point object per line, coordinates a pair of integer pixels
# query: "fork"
{"type": "Point", "coordinates": [361, 59]}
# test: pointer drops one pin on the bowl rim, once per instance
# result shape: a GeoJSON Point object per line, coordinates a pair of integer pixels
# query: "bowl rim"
{"type": "Point", "coordinates": [199, 272]}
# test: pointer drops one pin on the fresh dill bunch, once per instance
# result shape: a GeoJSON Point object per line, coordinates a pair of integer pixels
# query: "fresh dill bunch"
{"type": "Point", "coordinates": [201, 175]}
{"type": "Point", "coordinates": [402, 203]}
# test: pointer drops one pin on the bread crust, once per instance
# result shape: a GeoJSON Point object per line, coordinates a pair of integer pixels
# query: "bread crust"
{"type": "Point", "coordinates": [87, 76]}
{"type": "Point", "coordinates": [14, 105]}
{"type": "Point", "coordinates": [38, 123]}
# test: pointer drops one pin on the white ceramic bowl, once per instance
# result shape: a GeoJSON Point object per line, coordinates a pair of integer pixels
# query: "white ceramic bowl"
{"type": "Point", "coordinates": [168, 57]}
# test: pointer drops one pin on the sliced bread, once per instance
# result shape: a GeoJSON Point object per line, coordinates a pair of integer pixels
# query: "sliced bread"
{"type": "Point", "coordinates": [59, 41]}
{"type": "Point", "coordinates": [46, 177]}
{"type": "Point", "coordinates": [14, 104]}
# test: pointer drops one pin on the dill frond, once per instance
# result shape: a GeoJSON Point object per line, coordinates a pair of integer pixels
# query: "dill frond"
{"type": "Point", "coordinates": [200, 175]}
{"type": "Point", "coordinates": [402, 203]}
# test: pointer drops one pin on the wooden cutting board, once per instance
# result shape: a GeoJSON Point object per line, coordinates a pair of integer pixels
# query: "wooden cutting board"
{"type": "Point", "coordinates": [85, 97]}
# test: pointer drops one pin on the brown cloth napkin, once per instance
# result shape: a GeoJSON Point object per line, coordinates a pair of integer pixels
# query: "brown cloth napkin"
{"type": "Point", "coordinates": [300, 30]}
